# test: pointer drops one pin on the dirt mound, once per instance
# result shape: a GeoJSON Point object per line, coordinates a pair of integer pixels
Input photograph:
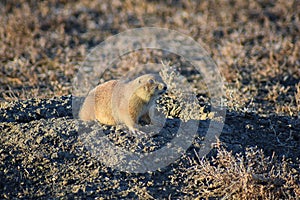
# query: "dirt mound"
{"type": "Point", "coordinates": [43, 156]}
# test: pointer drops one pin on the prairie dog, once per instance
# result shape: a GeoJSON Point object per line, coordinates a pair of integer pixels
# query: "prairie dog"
{"type": "Point", "coordinates": [123, 102]}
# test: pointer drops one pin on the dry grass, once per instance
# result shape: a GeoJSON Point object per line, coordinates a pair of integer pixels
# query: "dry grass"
{"type": "Point", "coordinates": [297, 98]}
{"type": "Point", "coordinates": [252, 176]}
{"type": "Point", "coordinates": [255, 44]}
{"type": "Point", "coordinates": [180, 100]}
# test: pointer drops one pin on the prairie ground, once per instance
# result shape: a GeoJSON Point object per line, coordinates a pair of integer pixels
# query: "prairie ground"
{"type": "Point", "coordinates": [256, 47]}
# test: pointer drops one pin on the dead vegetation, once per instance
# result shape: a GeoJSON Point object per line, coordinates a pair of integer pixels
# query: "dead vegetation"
{"type": "Point", "coordinates": [248, 176]}
{"type": "Point", "coordinates": [255, 44]}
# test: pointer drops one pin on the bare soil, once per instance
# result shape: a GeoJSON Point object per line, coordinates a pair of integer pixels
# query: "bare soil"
{"type": "Point", "coordinates": [43, 157]}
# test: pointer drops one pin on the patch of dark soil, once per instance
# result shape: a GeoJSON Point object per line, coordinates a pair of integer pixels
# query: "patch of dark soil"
{"type": "Point", "coordinates": [278, 134]}
{"type": "Point", "coordinates": [35, 109]}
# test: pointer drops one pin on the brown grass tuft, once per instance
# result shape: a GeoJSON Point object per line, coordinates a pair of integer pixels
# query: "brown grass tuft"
{"type": "Point", "coordinates": [249, 176]}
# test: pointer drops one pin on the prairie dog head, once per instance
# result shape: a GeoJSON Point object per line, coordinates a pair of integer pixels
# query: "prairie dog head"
{"type": "Point", "coordinates": [149, 86]}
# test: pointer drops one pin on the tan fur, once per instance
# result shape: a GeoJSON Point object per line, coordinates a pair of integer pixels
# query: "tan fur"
{"type": "Point", "coordinates": [120, 102]}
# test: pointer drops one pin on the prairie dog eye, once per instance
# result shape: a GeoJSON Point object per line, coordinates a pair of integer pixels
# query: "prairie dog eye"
{"type": "Point", "coordinates": [151, 81]}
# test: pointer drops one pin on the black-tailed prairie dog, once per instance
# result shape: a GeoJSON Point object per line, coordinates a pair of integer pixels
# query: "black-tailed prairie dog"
{"type": "Point", "coordinates": [123, 102]}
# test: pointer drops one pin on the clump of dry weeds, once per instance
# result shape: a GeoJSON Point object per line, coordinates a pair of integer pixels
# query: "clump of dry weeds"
{"type": "Point", "coordinates": [182, 101]}
{"type": "Point", "coordinates": [249, 176]}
